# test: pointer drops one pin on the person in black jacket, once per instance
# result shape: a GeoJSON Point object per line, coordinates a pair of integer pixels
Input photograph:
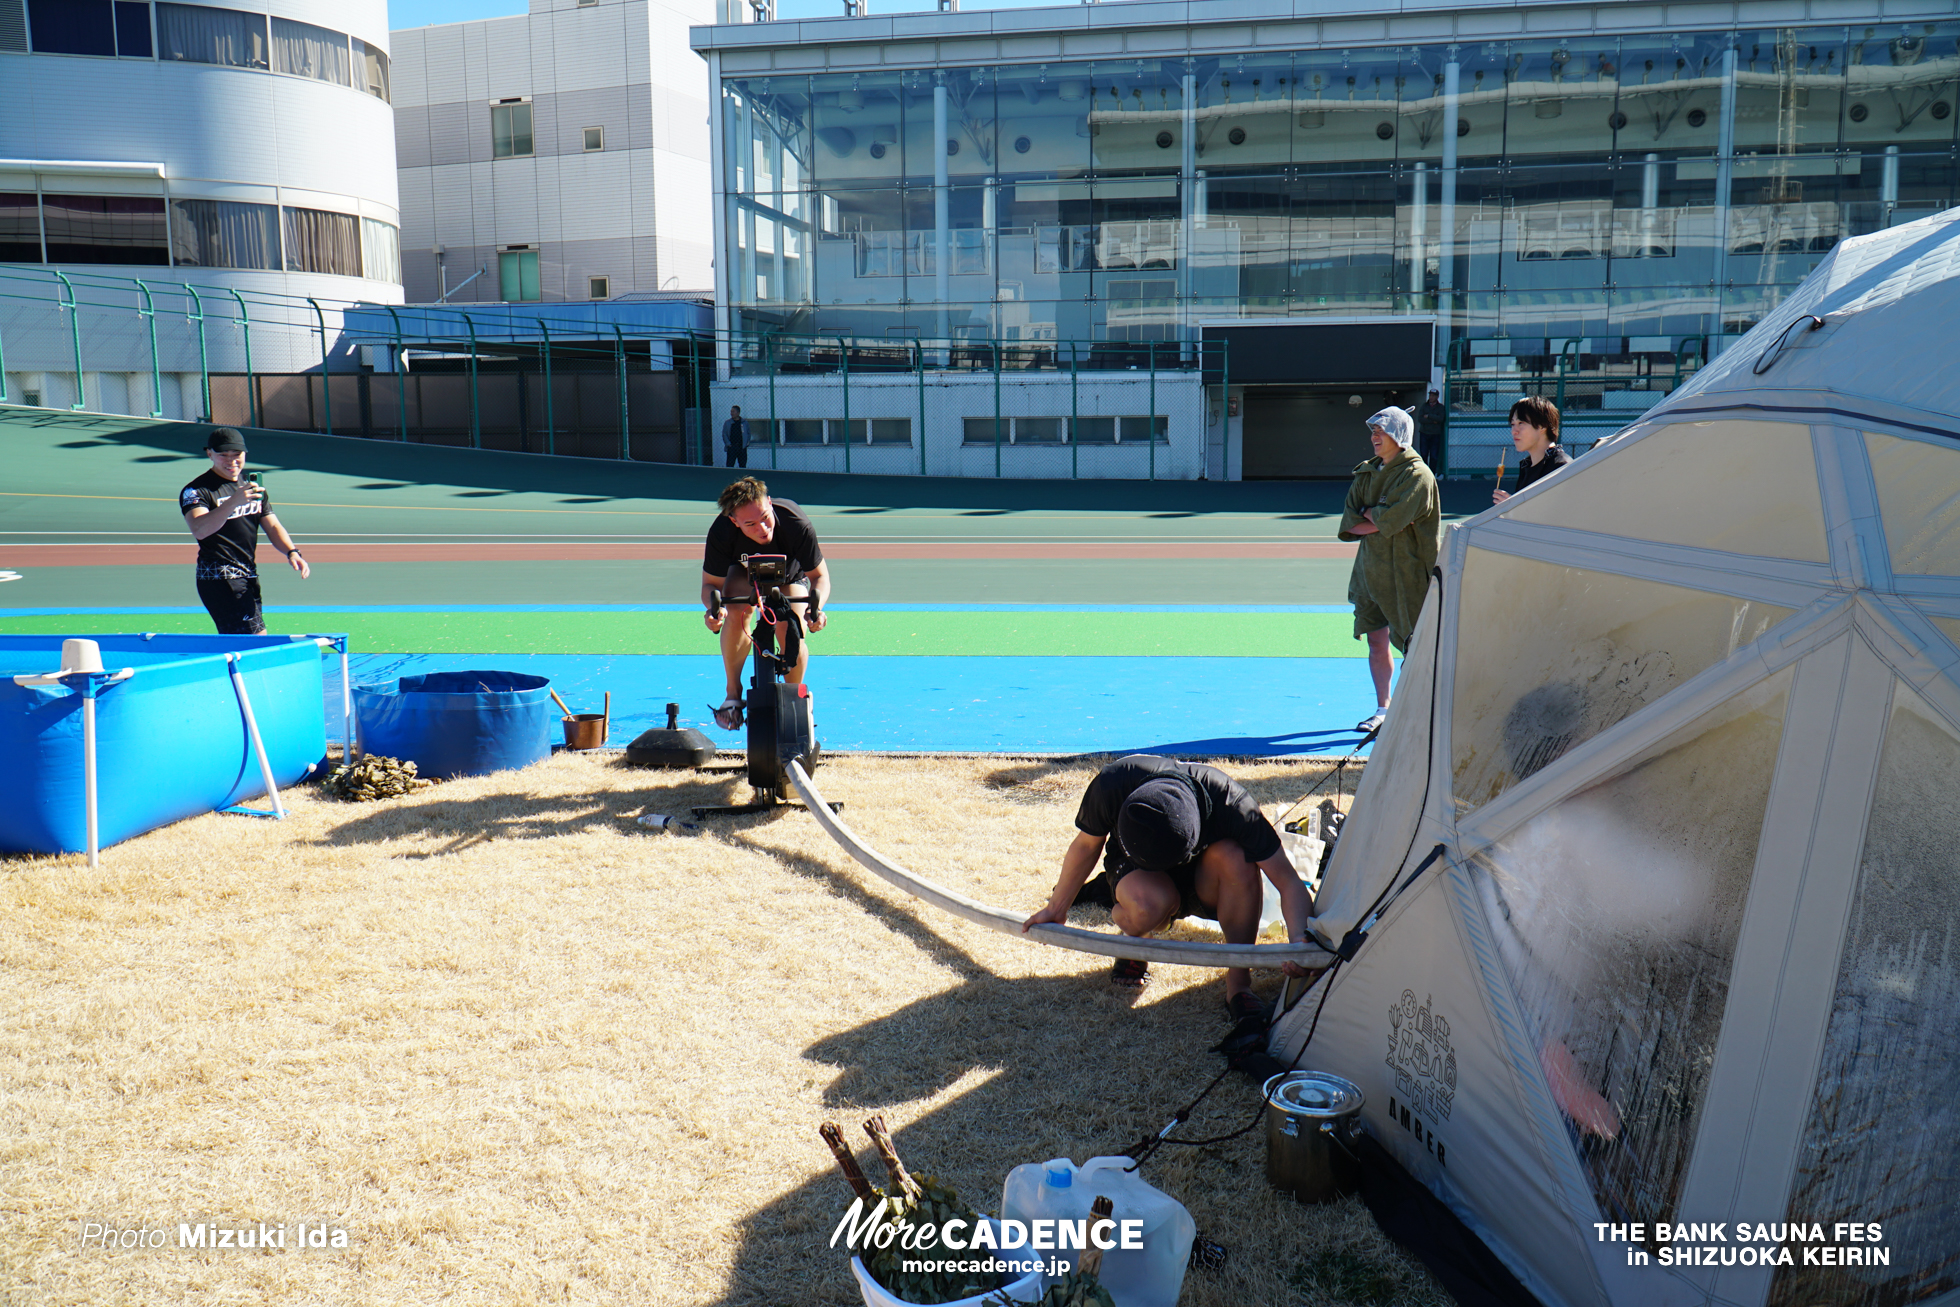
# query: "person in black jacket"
{"type": "Point", "coordinates": [1534, 431]}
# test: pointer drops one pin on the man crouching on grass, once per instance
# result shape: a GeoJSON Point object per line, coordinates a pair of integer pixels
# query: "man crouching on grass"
{"type": "Point", "coordinates": [1179, 839]}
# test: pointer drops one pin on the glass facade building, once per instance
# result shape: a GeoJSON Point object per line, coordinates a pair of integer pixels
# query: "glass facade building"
{"type": "Point", "coordinates": [1640, 189]}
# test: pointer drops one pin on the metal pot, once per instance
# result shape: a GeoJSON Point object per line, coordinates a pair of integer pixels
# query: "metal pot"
{"type": "Point", "coordinates": [1311, 1122]}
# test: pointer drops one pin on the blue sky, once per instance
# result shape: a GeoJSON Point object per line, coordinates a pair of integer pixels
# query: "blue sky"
{"type": "Point", "coordinates": [421, 13]}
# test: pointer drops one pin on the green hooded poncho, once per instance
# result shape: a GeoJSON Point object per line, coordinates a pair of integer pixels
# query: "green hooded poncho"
{"type": "Point", "coordinates": [1391, 569]}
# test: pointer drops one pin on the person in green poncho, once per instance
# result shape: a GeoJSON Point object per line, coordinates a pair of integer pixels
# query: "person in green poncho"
{"type": "Point", "coordinates": [1394, 510]}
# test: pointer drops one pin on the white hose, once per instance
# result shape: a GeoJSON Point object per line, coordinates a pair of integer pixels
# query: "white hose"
{"type": "Point", "coordinates": [1188, 953]}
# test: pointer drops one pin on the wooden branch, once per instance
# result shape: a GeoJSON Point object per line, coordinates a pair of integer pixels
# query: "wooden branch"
{"type": "Point", "coordinates": [1091, 1263]}
{"type": "Point", "coordinates": [881, 1137]}
{"type": "Point", "coordinates": [833, 1134]}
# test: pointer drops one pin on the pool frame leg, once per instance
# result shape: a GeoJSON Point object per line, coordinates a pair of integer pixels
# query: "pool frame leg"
{"type": "Point", "coordinates": [278, 812]}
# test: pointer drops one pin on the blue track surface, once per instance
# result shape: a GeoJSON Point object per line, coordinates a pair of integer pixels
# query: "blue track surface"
{"type": "Point", "coordinates": [1244, 706]}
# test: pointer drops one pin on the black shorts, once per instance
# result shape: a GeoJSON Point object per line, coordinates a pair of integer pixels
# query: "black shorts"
{"type": "Point", "coordinates": [233, 603]}
{"type": "Point", "coordinates": [1185, 878]}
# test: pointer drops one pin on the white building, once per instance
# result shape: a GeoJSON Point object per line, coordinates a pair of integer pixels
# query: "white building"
{"type": "Point", "coordinates": [563, 152]}
{"type": "Point", "coordinates": [198, 151]}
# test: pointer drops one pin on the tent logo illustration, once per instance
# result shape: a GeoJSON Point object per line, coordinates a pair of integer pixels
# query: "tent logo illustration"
{"type": "Point", "coordinates": [1419, 1050]}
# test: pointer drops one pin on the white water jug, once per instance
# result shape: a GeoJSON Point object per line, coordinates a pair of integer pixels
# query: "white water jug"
{"type": "Point", "coordinates": [1058, 1190]}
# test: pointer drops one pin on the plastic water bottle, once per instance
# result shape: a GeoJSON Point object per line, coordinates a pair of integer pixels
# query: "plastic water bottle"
{"type": "Point", "coordinates": [1058, 1190]}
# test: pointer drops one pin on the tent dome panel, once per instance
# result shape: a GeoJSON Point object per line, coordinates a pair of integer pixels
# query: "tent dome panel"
{"type": "Point", "coordinates": [1919, 496]}
{"type": "Point", "coordinates": [1888, 301]}
{"type": "Point", "coordinates": [1548, 656]}
{"type": "Point", "coordinates": [1741, 487]}
{"type": "Point", "coordinates": [1949, 627]}
{"type": "Point", "coordinates": [1883, 1119]}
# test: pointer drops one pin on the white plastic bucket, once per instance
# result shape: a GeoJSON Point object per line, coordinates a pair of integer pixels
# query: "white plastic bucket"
{"type": "Point", "coordinates": [1026, 1288]}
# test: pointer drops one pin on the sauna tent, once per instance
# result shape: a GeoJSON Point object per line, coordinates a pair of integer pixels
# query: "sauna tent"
{"type": "Point", "coordinates": [1684, 722]}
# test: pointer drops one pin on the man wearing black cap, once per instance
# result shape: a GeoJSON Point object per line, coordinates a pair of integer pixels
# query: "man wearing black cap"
{"type": "Point", "coordinates": [225, 513]}
{"type": "Point", "coordinates": [1182, 840]}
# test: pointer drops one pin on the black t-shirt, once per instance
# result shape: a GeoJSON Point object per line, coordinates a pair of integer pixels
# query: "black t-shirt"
{"type": "Point", "coordinates": [231, 551]}
{"type": "Point", "coordinates": [1227, 811]}
{"type": "Point", "coordinates": [794, 537]}
{"type": "Point", "coordinates": [1528, 471]}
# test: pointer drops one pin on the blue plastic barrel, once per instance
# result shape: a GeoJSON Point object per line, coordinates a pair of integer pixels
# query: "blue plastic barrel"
{"type": "Point", "coordinates": [458, 723]}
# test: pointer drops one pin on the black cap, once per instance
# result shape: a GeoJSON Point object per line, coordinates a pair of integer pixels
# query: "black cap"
{"type": "Point", "coordinates": [1158, 824]}
{"type": "Point", "coordinates": [225, 440]}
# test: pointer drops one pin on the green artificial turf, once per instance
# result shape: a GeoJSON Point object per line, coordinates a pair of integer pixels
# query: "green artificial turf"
{"type": "Point", "coordinates": [935, 634]}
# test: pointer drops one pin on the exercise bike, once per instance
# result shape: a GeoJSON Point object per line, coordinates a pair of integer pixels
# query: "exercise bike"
{"type": "Point", "coordinates": [777, 713]}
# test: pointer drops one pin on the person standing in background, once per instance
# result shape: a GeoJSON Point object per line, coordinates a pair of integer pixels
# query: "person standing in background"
{"type": "Point", "coordinates": [1395, 511]}
{"type": "Point", "coordinates": [224, 514]}
{"type": "Point", "coordinates": [1534, 432]}
{"type": "Point", "coordinates": [1431, 419]}
{"type": "Point", "coordinates": [735, 438]}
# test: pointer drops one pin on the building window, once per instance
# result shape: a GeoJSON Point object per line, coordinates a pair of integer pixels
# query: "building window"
{"type": "Point", "coordinates": [891, 431]}
{"type": "Point", "coordinates": [308, 51]}
{"type": "Point", "coordinates": [1049, 431]}
{"type": "Point", "coordinates": [595, 139]}
{"type": "Point", "coordinates": [317, 241]}
{"type": "Point", "coordinates": [199, 34]}
{"type": "Point", "coordinates": [224, 234]}
{"type": "Point", "coordinates": [381, 251]}
{"type": "Point", "coordinates": [20, 228]}
{"type": "Point", "coordinates": [510, 131]}
{"type": "Point", "coordinates": [133, 31]}
{"type": "Point", "coordinates": [127, 229]}
{"type": "Point", "coordinates": [517, 276]}
{"type": "Point", "coordinates": [73, 26]}
{"type": "Point", "coordinates": [598, 288]}
{"type": "Point", "coordinates": [371, 71]}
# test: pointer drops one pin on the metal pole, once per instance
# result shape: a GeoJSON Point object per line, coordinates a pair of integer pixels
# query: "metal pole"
{"type": "Point", "coordinates": [1074, 413]}
{"type": "Point", "coordinates": [1724, 183]}
{"type": "Point", "coordinates": [1152, 434]}
{"type": "Point", "coordinates": [619, 368]}
{"type": "Point", "coordinates": [476, 429]}
{"type": "Point", "coordinates": [149, 310]}
{"type": "Point", "coordinates": [941, 200]}
{"type": "Point", "coordinates": [89, 774]}
{"type": "Point", "coordinates": [244, 324]}
{"type": "Point", "coordinates": [1225, 408]}
{"type": "Point", "coordinates": [401, 384]}
{"type": "Point", "coordinates": [326, 377]}
{"type": "Point", "coordinates": [919, 363]}
{"type": "Point", "coordinates": [769, 368]}
{"type": "Point", "coordinates": [203, 359]}
{"type": "Point", "coordinates": [3, 373]}
{"type": "Point", "coordinates": [844, 366]}
{"type": "Point", "coordinates": [75, 331]}
{"type": "Point", "coordinates": [1446, 201]}
{"type": "Point", "coordinates": [346, 705]}
{"type": "Point", "coordinates": [258, 744]}
{"type": "Point", "coordinates": [550, 426]}
{"type": "Point", "coordinates": [993, 347]}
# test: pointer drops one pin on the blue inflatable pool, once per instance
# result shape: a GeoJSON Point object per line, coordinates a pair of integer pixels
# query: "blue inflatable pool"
{"type": "Point", "coordinates": [170, 740]}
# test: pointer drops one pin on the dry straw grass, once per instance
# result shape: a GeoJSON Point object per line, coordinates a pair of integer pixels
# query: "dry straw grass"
{"type": "Point", "coordinates": [523, 1051]}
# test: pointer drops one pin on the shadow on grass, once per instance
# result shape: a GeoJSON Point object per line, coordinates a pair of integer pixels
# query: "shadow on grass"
{"type": "Point", "coordinates": [524, 816]}
{"type": "Point", "coordinates": [1049, 1092]}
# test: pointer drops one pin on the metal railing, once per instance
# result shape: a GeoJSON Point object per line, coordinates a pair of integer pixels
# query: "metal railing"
{"type": "Point", "coordinates": [574, 379]}
{"type": "Point", "coordinates": [1598, 384]}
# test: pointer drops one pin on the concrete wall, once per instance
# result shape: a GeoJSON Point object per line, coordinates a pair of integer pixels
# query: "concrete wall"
{"type": "Point", "coordinates": [635, 212]}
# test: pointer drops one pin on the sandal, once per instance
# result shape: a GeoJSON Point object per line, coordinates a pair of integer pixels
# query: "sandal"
{"type": "Point", "coordinates": [729, 716]}
{"type": "Point", "coordinates": [1130, 973]}
{"type": "Point", "coordinates": [1247, 1009]}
